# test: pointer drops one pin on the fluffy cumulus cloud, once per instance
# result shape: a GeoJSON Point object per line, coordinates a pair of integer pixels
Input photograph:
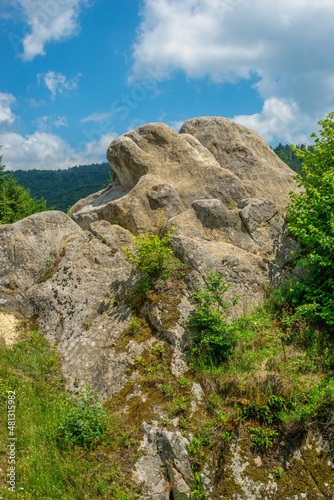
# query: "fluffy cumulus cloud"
{"type": "Point", "coordinates": [6, 115]}
{"type": "Point", "coordinates": [286, 46]}
{"type": "Point", "coordinates": [279, 121]}
{"type": "Point", "coordinates": [57, 83]}
{"type": "Point", "coordinates": [39, 150]}
{"type": "Point", "coordinates": [49, 20]}
{"type": "Point", "coordinates": [47, 151]}
{"type": "Point", "coordinates": [44, 149]}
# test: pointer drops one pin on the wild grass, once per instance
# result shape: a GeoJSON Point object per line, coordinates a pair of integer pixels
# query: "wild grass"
{"type": "Point", "coordinates": [45, 470]}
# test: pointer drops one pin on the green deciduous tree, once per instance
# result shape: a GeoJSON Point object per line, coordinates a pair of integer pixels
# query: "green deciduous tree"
{"type": "Point", "coordinates": [311, 221]}
{"type": "Point", "coordinates": [15, 201]}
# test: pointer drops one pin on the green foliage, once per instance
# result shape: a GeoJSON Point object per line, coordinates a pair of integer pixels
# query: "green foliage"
{"type": "Point", "coordinates": [197, 492]}
{"type": "Point", "coordinates": [15, 201]}
{"type": "Point", "coordinates": [213, 339]}
{"type": "Point", "coordinates": [272, 412]}
{"type": "Point", "coordinates": [31, 368]}
{"type": "Point", "coordinates": [83, 423]}
{"type": "Point", "coordinates": [153, 258]}
{"type": "Point", "coordinates": [316, 402]}
{"type": "Point", "coordinates": [197, 444]}
{"type": "Point", "coordinates": [278, 472]}
{"type": "Point", "coordinates": [63, 188]}
{"type": "Point", "coordinates": [262, 438]}
{"type": "Point", "coordinates": [179, 405]}
{"type": "Point", "coordinates": [311, 221]}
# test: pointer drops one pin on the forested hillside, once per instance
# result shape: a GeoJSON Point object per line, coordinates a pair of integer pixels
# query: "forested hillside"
{"type": "Point", "coordinates": [62, 188]}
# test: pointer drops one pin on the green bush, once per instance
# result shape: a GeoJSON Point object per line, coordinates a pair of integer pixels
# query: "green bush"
{"type": "Point", "coordinates": [153, 257]}
{"type": "Point", "coordinates": [83, 423]}
{"type": "Point", "coordinates": [262, 438]}
{"type": "Point", "coordinates": [213, 339]}
{"type": "Point", "coordinates": [273, 412]}
{"type": "Point", "coordinates": [311, 221]}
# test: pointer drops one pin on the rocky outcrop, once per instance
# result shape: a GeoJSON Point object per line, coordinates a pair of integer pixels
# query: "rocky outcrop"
{"type": "Point", "coordinates": [164, 465]}
{"type": "Point", "coordinates": [244, 153]}
{"type": "Point", "coordinates": [31, 246]}
{"type": "Point", "coordinates": [223, 191]}
{"type": "Point", "coordinates": [217, 183]}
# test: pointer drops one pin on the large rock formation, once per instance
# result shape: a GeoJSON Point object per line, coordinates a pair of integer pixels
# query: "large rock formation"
{"type": "Point", "coordinates": [224, 191]}
{"type": "Point", "coordinates": [218, 183]}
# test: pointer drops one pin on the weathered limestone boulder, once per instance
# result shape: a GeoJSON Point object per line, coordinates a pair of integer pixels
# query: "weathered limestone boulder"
{"type": "Point", "coordinates": [244, 153]}
{"type": "Point", "coordinates": [73, 283]}
{"type": "Point", "coordinates": [79, 307]}
{"type": "Point", "coordinates": [164, 464]}
{"type": "Point", "coordinates": [217, 182]}
{"type": "Point", "coordinates": [30, 247]}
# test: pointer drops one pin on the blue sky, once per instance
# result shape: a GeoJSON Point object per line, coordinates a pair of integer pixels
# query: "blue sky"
{"type": "Point", "coordinates": [77, 73]}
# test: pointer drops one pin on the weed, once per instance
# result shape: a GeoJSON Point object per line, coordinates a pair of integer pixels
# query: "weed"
{"type": "Point", "coordinates": [184, 382]}
{"type": "Point", "coordinates": [213, 339]}
{"type": "Point", "coordinates": [278, 472]}
{"type": "Point", "coordinates": [197, 493]}
{"type": "Point", "coordinates": [197, 444]}
{"type": "Point", "coordinates": [158, 349]}
{"type": "Point", "coordinates": [179, 404]}
{"type": "Point", "coordinates": [262, 438]}
{"type": "Point", "coordinates": [271, 413]}
{"type": "Point", "coordinates": [83, 423]}
{"type": "Point", "coordinates": [169, 390]}
{"type": "Point", "coordinates": [86, 323]}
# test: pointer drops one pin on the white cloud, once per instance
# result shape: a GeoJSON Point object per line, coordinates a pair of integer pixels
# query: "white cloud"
{"type": "Point", "coordinates": [58, 83]}
{"type": "Point", "coordinates": [52, 20]}
{"type": "Point", "coordinates": [176, 125]}
{"type": "Point", "coordinates": [46, 151]}
{"type": "Point", "coordinates": [60, 121]}
{"type": "Point", "coordinates": [45, 123]}
{"type": "Point", "coordinates": [286, 46]}
{"type": "Point", "coordinates": [278, 122]}
{"type": "Point", "coordinates": [6, 115]}
{"type": "Point", "coordinates": [98, 148]}
{"type": "Point", "coordinates": [97, 117]}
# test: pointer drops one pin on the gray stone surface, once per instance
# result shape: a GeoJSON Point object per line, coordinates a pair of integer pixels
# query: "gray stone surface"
{"type": "Point", "coordinates": [222, 189]}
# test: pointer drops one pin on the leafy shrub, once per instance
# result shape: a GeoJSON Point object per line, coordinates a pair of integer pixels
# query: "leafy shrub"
{"type": "Point", "coordinates": [153, 257]}
{"type": "Point", "coordinates": [311, 221]}
{"type": "Point", "coordinates": [272, 412]}
{"type": "Point", "coordinates": [318, 401]}
{"type": "Point", "coordinates": [213, 339]}
{"type": "Point", "coordinates": [179, 404]}
{"type": "Point", "coordinates": [262, 438]}
{"type": "Point", "coordinates": [83, 423]}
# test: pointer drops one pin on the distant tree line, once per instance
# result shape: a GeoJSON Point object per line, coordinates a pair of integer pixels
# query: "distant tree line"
{"type": "Point", "coordinates": [63, 188]}
{"type": "Point", "coordinates": [290, 156]}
